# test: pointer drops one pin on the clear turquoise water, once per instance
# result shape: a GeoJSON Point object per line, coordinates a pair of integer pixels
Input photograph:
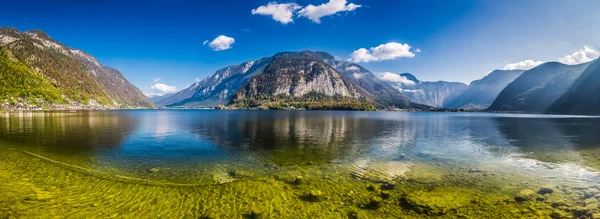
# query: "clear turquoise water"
{"type": "Point", "coordinates": [217, 147]}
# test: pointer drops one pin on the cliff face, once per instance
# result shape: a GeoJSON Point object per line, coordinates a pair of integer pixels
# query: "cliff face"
{"type": "Point", "coordinates": [295, 76]}
{"type": "Point", "coordinates": [78, 76]}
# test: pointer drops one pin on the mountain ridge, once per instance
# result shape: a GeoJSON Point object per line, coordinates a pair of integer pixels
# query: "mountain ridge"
{"type": "Point", "coordinates": [81, 79]}
{"type": "Point", "coordinates": [209, 92]}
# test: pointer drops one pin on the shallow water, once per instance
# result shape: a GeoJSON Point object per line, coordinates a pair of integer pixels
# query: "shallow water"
{"type": "Point", "coordinates": [234, 164]}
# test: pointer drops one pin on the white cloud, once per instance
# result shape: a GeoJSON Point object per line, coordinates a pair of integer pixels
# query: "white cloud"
{"type": "Point", "coordinates": [279, 12]}
{"type": "Point", "coordinates": [382, 52]}
{"type": "Point", "coordinates": [411, 91]}
{"type": "Point", "coordinates": [352, 68]}
{"type": "Point", "coordinates": [358, 75]}
{"type": "Point", "coordinates": [220, 43]}
{"type": "Point", "coordinates": [417, 50]}
{"type": "Point", "coordinates": [197, 79]}
{"type": "Point", "coordinates": [522, 65]}
{"type": "Point", "coordinates": [582, 56]}
{"type": "Point", "coordinates": [161, 89]}
{"type": "Point", "coordinates": [156, 80]}
{"type": "Point", "coordinates": [393, 77]}
{"type": "Point", "coordinates": [315, 13]}
{"type": "Point", "coordinates": [205, 42]}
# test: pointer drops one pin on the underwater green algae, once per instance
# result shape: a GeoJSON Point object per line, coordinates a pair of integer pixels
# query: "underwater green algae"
{"type": "Point", "coordinates": [31, 187]}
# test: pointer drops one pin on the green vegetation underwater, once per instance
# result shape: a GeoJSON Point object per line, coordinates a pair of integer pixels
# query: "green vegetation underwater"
{"type": "Point", "coordinates": [297, 164]}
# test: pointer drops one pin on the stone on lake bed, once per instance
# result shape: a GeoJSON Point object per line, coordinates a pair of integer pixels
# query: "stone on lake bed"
{"type": "Point", "coordinates": [298, 180]}
{"type": "Point", "coordinates": [545, 190]}
{"type": "Point", "coordinates": [556, 214]}
{"type": "Point", "coordinates": [591, 192]}
{"type": "Point", "coordinates": [314, 196]}
{"type": "Point", "coordinates": [525, 195]}
{"type": "Point", "coordinates": [385, 194]}
{"type": "Point", "coordinates": [388, 186]}
{"type": "Point", "coordinates": [375, 202]}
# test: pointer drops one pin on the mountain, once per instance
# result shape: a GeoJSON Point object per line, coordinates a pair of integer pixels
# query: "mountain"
{"type": "Point", "coordinates": [480, 94]}
{"type": "Point", "coordinates": [220, 87]}
{"type": "Point", "coordinates": [159, 100]}
{"type": "Point", "coordinates": [74, 74]}
{"type": "Point", "coordinates": [425, 92]}
{"type": "Point", "coordinates": [537, 88]}
{"type": "Point", "coordinates": [583, 97]}
{"type": "Point", "coordinates": [217, 88]}
{"type": "Point", "coordinates": [382, 93]}
{"type": "Point", "coordinates": [300, 81]}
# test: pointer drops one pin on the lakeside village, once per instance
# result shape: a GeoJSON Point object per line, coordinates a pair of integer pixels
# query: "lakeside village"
{"type": "Point", "coordinates": [24, 104]}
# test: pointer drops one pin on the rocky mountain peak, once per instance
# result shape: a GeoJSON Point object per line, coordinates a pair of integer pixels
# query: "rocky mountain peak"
{"type": "Point", "coordinates": [316, 54]}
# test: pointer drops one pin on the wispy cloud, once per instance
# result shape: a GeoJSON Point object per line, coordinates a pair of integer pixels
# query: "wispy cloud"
{"type": "Point", "coordinates": [584, 55]}
{"type": "Point", "coordinates": [315, 13]}
{"type": "Point", "coordinates": [279, 12]}
{"type": "Point", "coordinates": [284, 12]}
{"type": "Point", "coordinates": [393, 77]}
{"type": "Point", "coordinates": [161, 89]}
{"type": "Point", "coordinates": [522, 65]}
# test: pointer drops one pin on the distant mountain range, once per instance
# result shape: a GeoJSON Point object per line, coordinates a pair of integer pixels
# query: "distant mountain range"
{"type": "Point", "coordinates": [480, 94]}
{"type": "Point", "coordinates": [291, 79]}
{"type": "Point", "coordinates": [39, 70]}
{"type": "Point", "coordinates": [427, 93]}
{"type": "Point", "coordinates": [36, 70]}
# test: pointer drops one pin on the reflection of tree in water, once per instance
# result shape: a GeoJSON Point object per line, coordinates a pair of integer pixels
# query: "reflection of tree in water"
{"type": "Point", "coordinates": [302, 136]}
{"type": "Point", "coordinates": [63, 133]}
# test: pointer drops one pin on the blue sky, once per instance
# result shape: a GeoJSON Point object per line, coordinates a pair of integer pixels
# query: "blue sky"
{"type": "Point", "coordinates": [458, 40]}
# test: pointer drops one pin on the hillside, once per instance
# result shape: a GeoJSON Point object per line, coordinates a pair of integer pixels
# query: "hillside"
{"type": "Point", "coordinates": [583, 96]}
{"type": "Point", "coordinates": [78, 77]}
{"type": "Point", "coordinates": [537, 88]}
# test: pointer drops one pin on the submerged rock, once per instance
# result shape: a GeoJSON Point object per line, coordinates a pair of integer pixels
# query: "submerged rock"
{"type": "Point", "coordinates": [556, 214]}
{"type": "Point", "coordinates": [255, 214]}
{"type": "Point", "coordinates": [375, 202]}
{"type": "Point", "coordinates": [591, 192]}
{"type": "Point", "coordinates": [298, 180]}
{"type": "Point", "coordinates": [371, 188]}
{"type": "Point", "coordinates": [525, 195]}
{"type": "Point", "coordinates": [388, 186]}
{"type": "Point", "coordinates": [385, 194]}
{"type": "Point", "coordinates": [545, 190]}
{"type": "Point", "coordinates": [314, 196]}
{"type": "Point", "coordinates": [437, 202]}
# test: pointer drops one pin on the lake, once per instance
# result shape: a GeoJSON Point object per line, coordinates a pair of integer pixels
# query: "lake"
{"type": "Point", "coordinates": [297, 164]}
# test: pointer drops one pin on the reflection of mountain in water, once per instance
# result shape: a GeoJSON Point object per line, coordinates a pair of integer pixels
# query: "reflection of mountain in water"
{"type": "Point", "coordinates": [65, 134]}
{"type": "Point", "coordinates": [290, 137]}
{"type": "Point", "coordinates": [541, 138]}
